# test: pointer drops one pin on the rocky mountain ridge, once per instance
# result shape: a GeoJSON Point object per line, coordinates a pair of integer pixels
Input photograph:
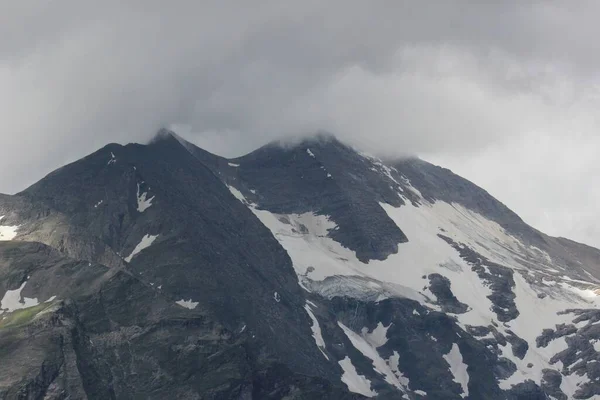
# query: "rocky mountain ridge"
{"type": "Point", "coordinates": [300, 272]}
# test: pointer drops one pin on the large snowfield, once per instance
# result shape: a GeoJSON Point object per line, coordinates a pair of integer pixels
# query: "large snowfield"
{"type": "Point", "coordinates": [539, 301]}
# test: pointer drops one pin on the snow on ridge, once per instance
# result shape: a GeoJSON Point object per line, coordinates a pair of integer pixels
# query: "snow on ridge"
{"type": "Point", "coordinates": [142, 200]}
{"type": "Point", "coordinates": [458, 368]}
{"type": "Point", "coordinates": [356, 383]}
{"type": "Point", "coordinates": [316, 330]}
{"type": "Point", "coordinates": [146, 242]}
{"type": "Point", "coordinates": [189, 304]}
{"type": "Point", "coordinates": [233, 165]}
{"type": "Point", "coordinates": [316, 257]}
{"type": "Point", "coordinates": [13, 300]}
{"type": "Point", "coordinates": [310, 153]}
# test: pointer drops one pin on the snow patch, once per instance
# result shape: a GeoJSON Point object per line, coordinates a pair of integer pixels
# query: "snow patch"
{"type": "Point", "coordinates": [13, 300]}
{"type": "Point", "coordinates": [368, 350]}
{"type": "Point", "coordinates": [233, 165]}
{"type": "Point", "coordinates": [113, 159]}
{"type": "Point", "coordinates": [7, 232]}
{"type": "Point", "coordinates": [143, 201]}
{"type": "Point", "coordinates": [98, 204]}
{"type": "Point", "coordinates": [458, 368]}
{"type": "Point", "coordinates": [51, 299]}
{"type": "Point", "coordinates": [310, 153]}
{"type": "Point", "coordinates": [394, 362]}
{"type": "Point", "coordinates": [146, 242]}
{"type": "Point", "coordinates": [276, 297]}
{"type": "Point", "coordinates": [316, 330]}
{"type": "Point", "coordinates": [356, 383]}
{"type": "Point", "coordinates": [378, 337]}
{"type": "Point", "coordinates": [189, 304]}
{"type": "Point", "coordinates": [238, 195]}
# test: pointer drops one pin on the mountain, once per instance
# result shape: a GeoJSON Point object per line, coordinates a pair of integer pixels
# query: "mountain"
{"type": "Point", "coordinates": [304, 271]}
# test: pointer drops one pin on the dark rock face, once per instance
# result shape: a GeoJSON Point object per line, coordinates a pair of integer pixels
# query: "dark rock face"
{"type": "Point", "coordinates": [199, 254]}
{"type": "Point", "coordinates": [519, 346]}
{"type": "Point", "coordinates": [527, 390]}
{"type": "Point", "coordinates": [323, 176]}
{"type": "Point", "coordinates": [551, 384]}
{"type": "Point", "coordinates": [210, 250]}
{"type": "Point", "coordinates": [440, 287]}
{"type": "Point", "coordinates": [136, 273]}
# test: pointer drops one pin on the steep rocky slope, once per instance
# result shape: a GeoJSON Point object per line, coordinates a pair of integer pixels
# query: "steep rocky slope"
{"type": "Point", "coordinates": [303, 271]}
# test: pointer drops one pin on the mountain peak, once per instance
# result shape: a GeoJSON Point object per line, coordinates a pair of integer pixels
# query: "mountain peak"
{"type": "Point", "coordinates": [320, 137]}
{"type": "Point", "coordinates": [164, 134]}
{"type": "Point", "coordinates": [305, 267]}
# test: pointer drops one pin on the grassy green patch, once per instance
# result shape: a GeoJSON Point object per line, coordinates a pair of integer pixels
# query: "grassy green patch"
{"type": "Point", "coordinates": [22, 317]}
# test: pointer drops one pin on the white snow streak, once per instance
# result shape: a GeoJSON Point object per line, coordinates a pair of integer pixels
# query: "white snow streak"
{"type": "Point", "coordinates": [356, 383]}
{"type": "Point", "coordinates": [238, 195]}
{"type": "Point", "coordinates": [369, 351]}
{"type": "Point", "coordinates": [233, 165]}
{"type": "Point", "coordinates": [393, 362]}
{"type": "Point", "coordinates": [146, 242]}
{"type": "Point", "coordinates": [458, 368]}
{"type": "Point", "coordinates": [310, 153]}
{"type": "Point", "coordinates": [316, 330]}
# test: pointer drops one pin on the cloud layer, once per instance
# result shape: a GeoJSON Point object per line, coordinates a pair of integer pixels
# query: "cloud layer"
{"type": "Point", "coordinates": [496, 88]}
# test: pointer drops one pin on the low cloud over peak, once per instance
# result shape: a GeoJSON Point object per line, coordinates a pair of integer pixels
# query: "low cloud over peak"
{"type": "Point", "coordinates": [449, 80]}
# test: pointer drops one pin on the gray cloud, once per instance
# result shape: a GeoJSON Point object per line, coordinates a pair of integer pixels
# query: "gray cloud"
{"type": "Point", "coordinates": [463, 82]}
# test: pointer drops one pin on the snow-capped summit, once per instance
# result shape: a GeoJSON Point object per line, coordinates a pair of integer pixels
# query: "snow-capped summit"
{"type": "Point", "coordinates": [303, 270]}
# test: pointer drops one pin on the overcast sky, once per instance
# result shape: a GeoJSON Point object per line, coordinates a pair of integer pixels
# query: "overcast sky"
{"type": "Point", "coordinates": [506, 93]}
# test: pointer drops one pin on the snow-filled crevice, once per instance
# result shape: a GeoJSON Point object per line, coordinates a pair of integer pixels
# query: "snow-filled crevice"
{"type": "Point", "coordinates": [143, 200]}
{"type": "Point", "coordinates": [146, 242]}
{"type": "Point", "coordinates": [458, 368]}
{"type": "Point", "coordinates": [356, 383]}
{"type": "Point", "coordinates": [316, 331]}
{"type": "Point", "coordinates": [369, 350]}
